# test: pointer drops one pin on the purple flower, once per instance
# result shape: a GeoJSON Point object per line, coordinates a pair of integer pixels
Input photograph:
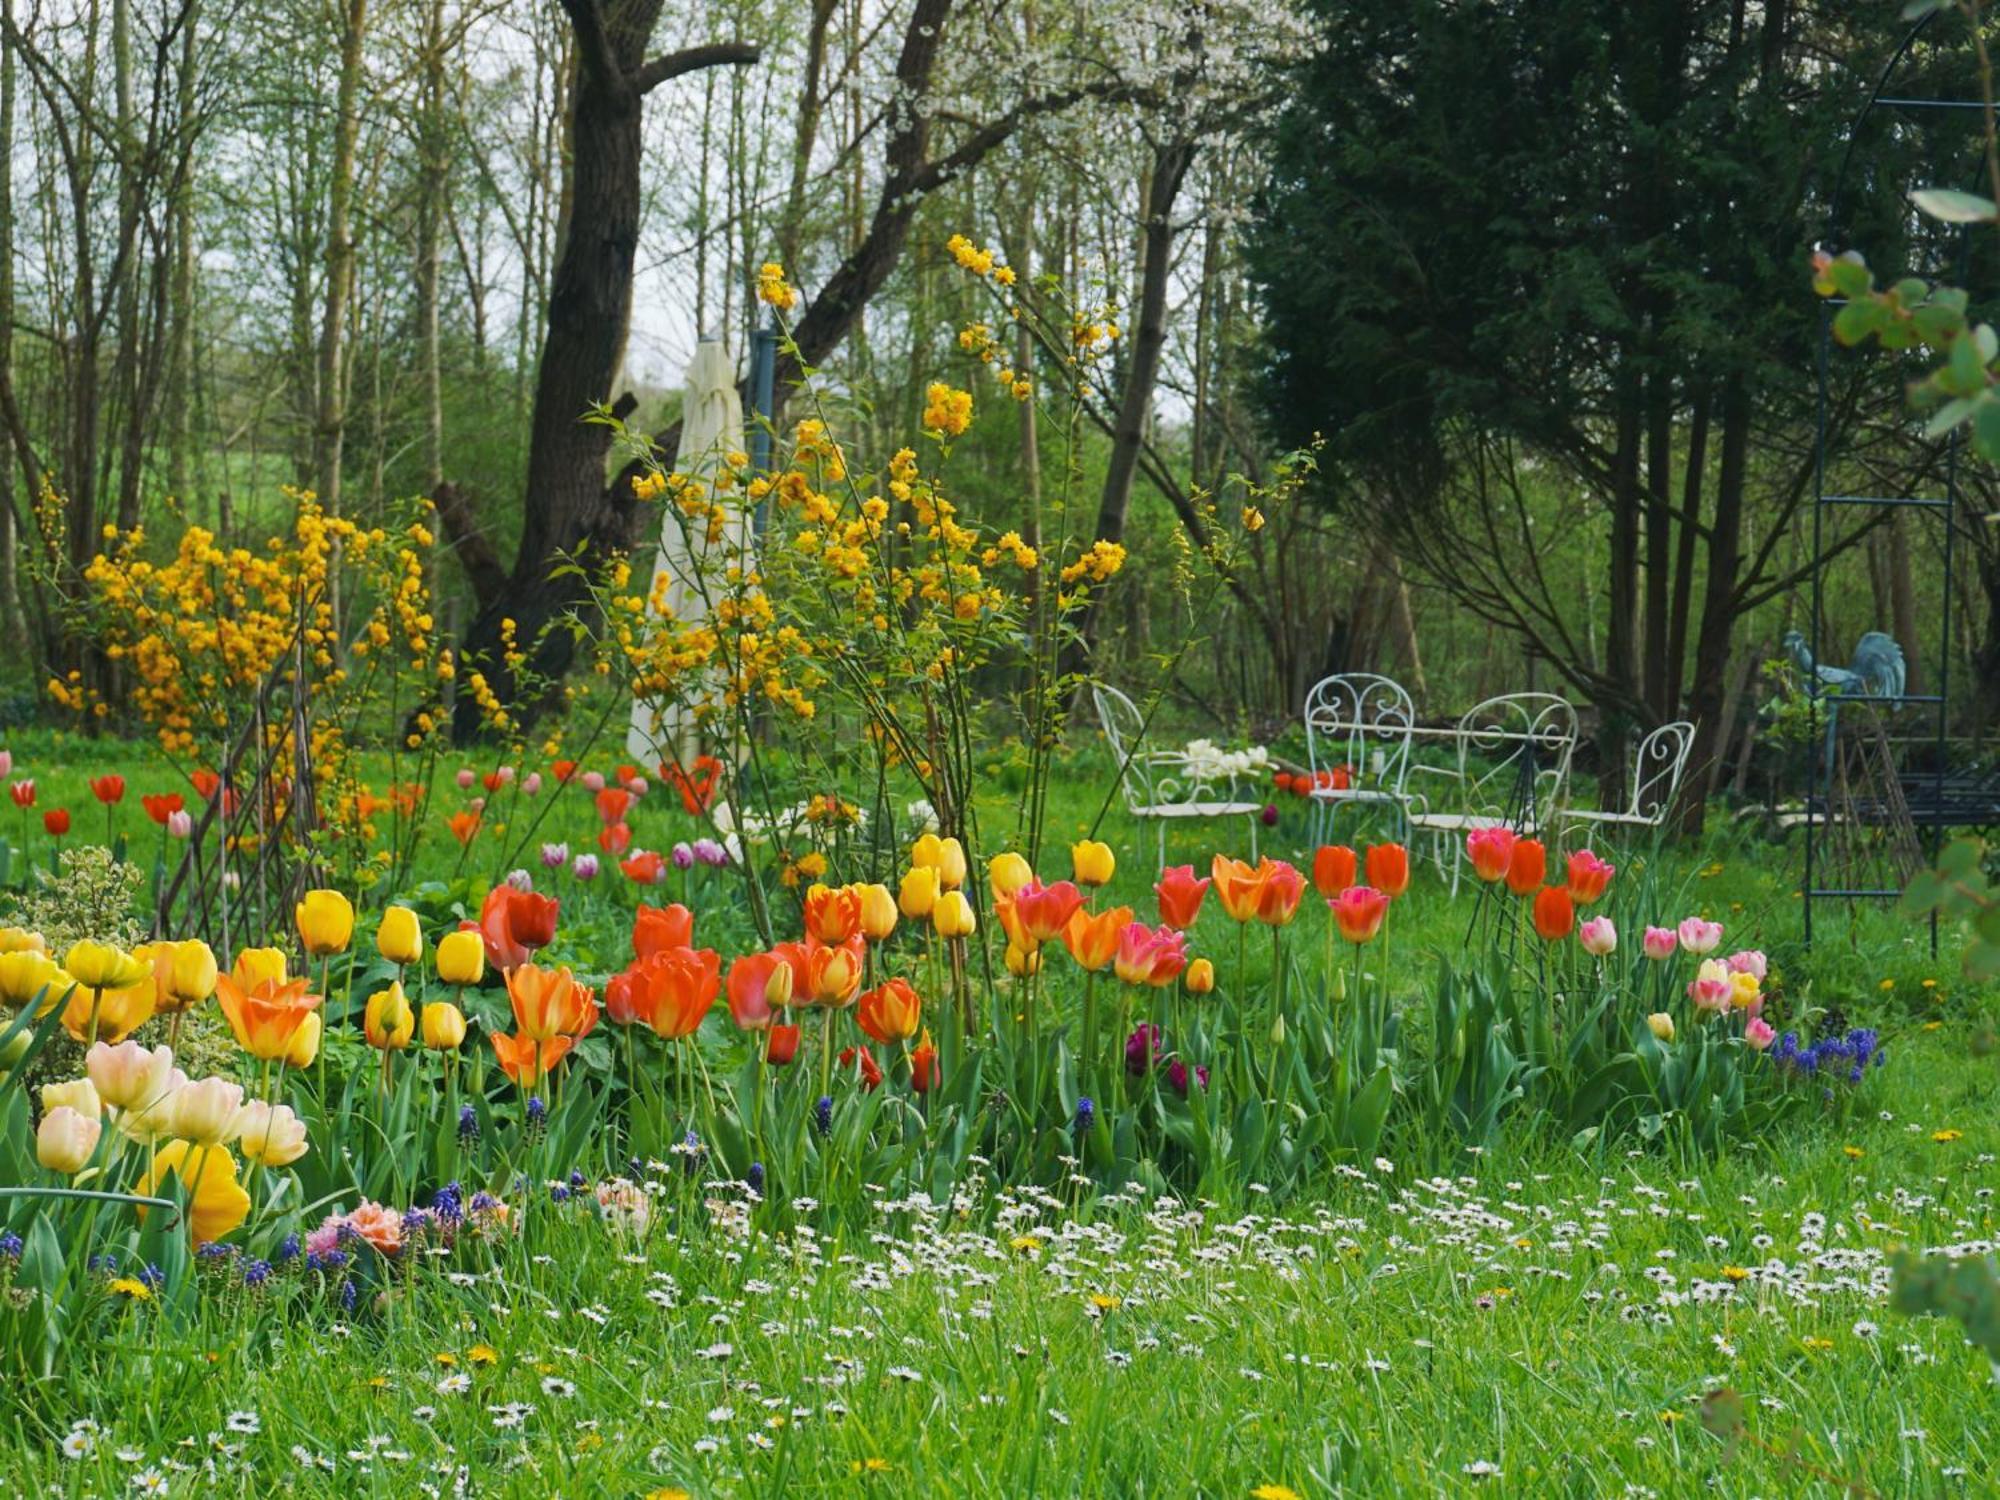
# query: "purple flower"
{"type": "Point", "coordinates": [755, 1181]}
{"type": "Point", "coordinates": [1086, 1115]}
{"type": "Point", "coordinates": [1177, 1076]}
{"type": "Point", "coordinates": [555, 856]}
{"type": "Point", "coordinates": [584, 867]}
{"type": "Point", "coordinates": [1270, 815]}
{"type": "Point", "coordinates": [709, 852]}
{"type": "Point", "coordinates": [683, 856]}
{"type": "Point", "coordinates": [1142, 1049]}
{"type": "Point", "coordinates": [521, 880]}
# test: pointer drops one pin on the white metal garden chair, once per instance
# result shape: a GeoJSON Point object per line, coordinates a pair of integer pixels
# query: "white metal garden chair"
{"type": "Point", "coordinates": [1165, 786]}
{"type": "Point", "coordinates": [1358, 726]}
{"type": "Point", "coordinates": [1656, 782]}
{"type": "Point", "coordinates": [1511, 759]}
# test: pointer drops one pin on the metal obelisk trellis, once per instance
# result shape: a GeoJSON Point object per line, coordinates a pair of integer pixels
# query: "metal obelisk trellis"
{"type": "Point", "coordinates": [1819, 801]}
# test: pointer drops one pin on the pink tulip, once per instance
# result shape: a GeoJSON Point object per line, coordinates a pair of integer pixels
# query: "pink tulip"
{"type": "Point", "coordinates": [638, 786]}
{"type": "Point", "coordinates": [1698, 936]}
{"type": "Point", "coordinates": [1659, 943]}
{"type": "Point", "coordinates": [6, 762]}
{"type": "Point", "coordinates": [532, 783]}
{"type": "Point", "coordinates": [1758, 1033]}
{"type": "Point", "coordinates": [1598, 936]}
{"type": "Point", "coordinates": [466, 778]}
{"type": "Point", "coordinates": [1711, 989]}
{"type": "Point", "coordinates": [593, 781]}
{"type": "Point", "coordinates": [180, 823]}
{"type": "Point", "coordinates": [1749, 961]}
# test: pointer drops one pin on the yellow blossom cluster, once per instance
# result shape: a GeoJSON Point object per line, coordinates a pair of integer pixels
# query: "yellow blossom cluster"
{"type": "Point", "coordinates": [946, 409]}
{"type": "Point", "coordinates": [979, 262]}
{"type": "Point", "coordinates": [773, 289]}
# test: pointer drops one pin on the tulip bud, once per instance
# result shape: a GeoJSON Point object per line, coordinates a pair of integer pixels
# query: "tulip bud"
{"type": "Point", "coordinates": [255, 966]}
{"type": "Point", "coordinates": [1278, 1030]}
{"type": "Point", "coordinates": [1093, 862]}
{"type": "Point", "coordinates": [326, 922]}
{"type": "Point", "coordinates": [1200, 977]}
{"type": "Point", "coordinates": [919, 892]}
{"type": "Point", "coordinates": [1008, 873]}
{"type": "Point", "coordinates": [66, 1140]}
{"type": "Point", "coordinates": [388, 1020]}
{"type": "Point", "coordinates": [951, 864]}
{"type": "Point", "coordinates": [1661, 1025]}
{"type": "Point", "coordinates": [305, 1042]}
{"type": "Point", "coordinates": [953, 916]}
{"type": "Point", "coordinates": [444, 1026]}
{"type": "Point", "coordinates": [461, 958]}
{"type": "Point", "coordinates": [399, 938]}
{"type": "Point", "coordinates": [878, 911]}
{"type": "Point", "coordinates": [1022, 962]}
{"type": "Point", "coordinates": [191, 978]}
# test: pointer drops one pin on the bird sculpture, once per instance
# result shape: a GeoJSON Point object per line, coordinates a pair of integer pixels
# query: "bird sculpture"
{"type": "Point", "coordinates": [1877, 672]}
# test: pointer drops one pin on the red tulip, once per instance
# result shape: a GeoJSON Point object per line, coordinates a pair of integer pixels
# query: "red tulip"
{"type": "Point", "coordinates": [924, 1066]}
{"type": "Point", "coordinates": [1358, 912]}
{"type": "Point", "coordinates": [1334, 869]}
{"type": "Point", "coordinates": [1180, 896]}
{"type": "Point", "coordinates": [612, 804]}
{"type": "Point", "coordinates": [1528, 867]}
{"type": "Point", "coordinates": [646, 867]}
{"type": "Point", "coordinates": [56, 821]}
{"type": "Point", "coordinates": [23, 793]}
{"type": "Point", "coordinates": [1589, 876]}
{"type": "Point", "coordinates": [781, 1045]}
{"type": "Point", "coordinates": [1389, 869]}
{"type": "Point", "coordinates": [1491, 851]}
{"type": "Point", "coordinates": [161, 806]}
{"type": "Point", "coordinates": [1043, 911]}
{"type": "Point", "coordinates": [205, 782]}
{"type": "Point", "coordinates": [1279, 895]}
{"type": "Point", "coordinates": [562, 770]}
{"type": "Point", "coordinates": [108, 789]}
{"type": "Point", "coordinates": [1555, 913]}
{"type": "Point", "coordinates": [657, 928]}
{"type": "Point", "coordinates": [871, 1070]}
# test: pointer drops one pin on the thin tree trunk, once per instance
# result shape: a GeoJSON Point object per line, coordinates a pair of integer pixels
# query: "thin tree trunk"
{"type": "Point", "coordinates": [1719, 607]}
{"type": "Point", "coordinates": [332, 428]}
{"type": "Point", "coordinates": [432, 179]}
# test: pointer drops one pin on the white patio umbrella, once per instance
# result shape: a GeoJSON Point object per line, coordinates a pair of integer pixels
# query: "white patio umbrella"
{"type": "Point", "coordinates": [711, 429]}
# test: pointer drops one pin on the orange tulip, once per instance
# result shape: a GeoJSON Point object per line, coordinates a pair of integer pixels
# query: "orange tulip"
{"type": "Point", "coordinates": [1180, 896]}
{"type": "Point", "coordinates": [1389, 869]}
{"type": "Point", "coordinates": [267, 1016]}
{"type": "Point", "coordinates": [514, 924]}
{"type": "Point", "coordinates": [542, 1000]}
{"type": "Point", "coordinates": [824, 974]}
{"type": "Point", "coordinates": [1528, 867]}
{"type": "Point", "coordinates": [464, 825]}
{"type": "Point", "coordinates": [1044, 911]}
{"type": "Point", "coordinates": [760, 985]}
{"type": "Point", "coordinates": [1334, 869]}
{"type": "Point", "coordinates": [1589, 877]}
{"type": "Point", "coordinates": [1358, 912]}
{"type": "Point", "coordinates": [1491, 851]}
{"type": "Point", "coordinates": [1093, 940]}
{"type": "Point", "coordinates": [890, 1012]}
{"type": "Point", "coordinates": [1555, 913]}
{"type": "Point", "coordinates": [527, 1061]}
{"type": "Point", "coordinates": [924, 1066]}
{"type": "Point", "coordinates": [1238, 886]}
{"type": "Point", "coordinates": [1278, 896]}
{"type": "Point", "coordinates": [833, 915]}
{"type": "Point", "coordinates": [686, 982]}
{"type": "Point", "coordinates": [658, 928]}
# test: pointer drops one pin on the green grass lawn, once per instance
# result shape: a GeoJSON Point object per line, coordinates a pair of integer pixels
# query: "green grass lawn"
{"type": "Point", "coordinates": [1537, 1325]}
{"type": "Point", "coordinates": [1537, 1319]}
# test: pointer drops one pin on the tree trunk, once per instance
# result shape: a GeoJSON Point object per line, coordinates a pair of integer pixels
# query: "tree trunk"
{"type": "Point", "coordinates": [331, 434]}
{"type": "Point", "coordinates": [572, 514]}
{"type": "Point", "coordinates": [180, 299]}
{"type": "Point", "coordinates": [1719, 607]}
{"type": "Point", "coordinates": [432, 180]}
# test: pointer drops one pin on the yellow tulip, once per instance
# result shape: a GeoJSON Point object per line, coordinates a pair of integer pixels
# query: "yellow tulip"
{"type": "Point", "coordinates": [21, 940]}
{"type": "Point", "coordinates": [1661, 1025]}
{"type": "Point", "coordinates": [953, 916]}
{"type": "Point", "coordinates": [1007, 873]}
{"type": "Point", "coordinates": [1093, 861]}
{"type": "Point", "coordinates": [461, 958]}
{"type": "Point", "coordinates": [927, 853]}
{"type": "Point", "coordinates": [216, 1202]}
{"type": "Point", "coordinates": [918, 892]}
{"type": "Point", "coordinates": [99, 966]}
{"type": "Point", "coordinates": [27, 973]}
{"type": "Point", "coordinates": [388, 1021]}
{"type": "Point", "coordinates": [187, 975]}
{"type": "Point", "coordinates": [255, 966]}
{"type": "Point", "coordinates": [444, 1026]}
{"type": "Point", "coordinates": [1200, 977]}
{"type": "Point", "coordinates": [205, 1112]}
{"type": "Point", "coordinates": [304, 1046]}
{"type": "Point", "coordinates": [951, 864]}
{"type": "Point", "coordinates": [110, 1015]}
{"type": "Point", "coordinates": [878, 911]}
{"type": "Point", "coordinates": [326, 922]}
{"type": "Point", "coordinates": [1023, 961]}
{"type": "Point", "coordinates": [400, 939]}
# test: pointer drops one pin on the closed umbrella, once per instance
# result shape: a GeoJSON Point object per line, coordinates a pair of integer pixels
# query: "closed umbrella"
{"type": "Point", "coordinates": [711, 429]}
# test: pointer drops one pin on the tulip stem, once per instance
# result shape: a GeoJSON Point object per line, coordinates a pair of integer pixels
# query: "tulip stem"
{"type": "Point", "coordinates": [826, 1052]}
{"type": "Point", "coordinates": [1090, 1033]}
